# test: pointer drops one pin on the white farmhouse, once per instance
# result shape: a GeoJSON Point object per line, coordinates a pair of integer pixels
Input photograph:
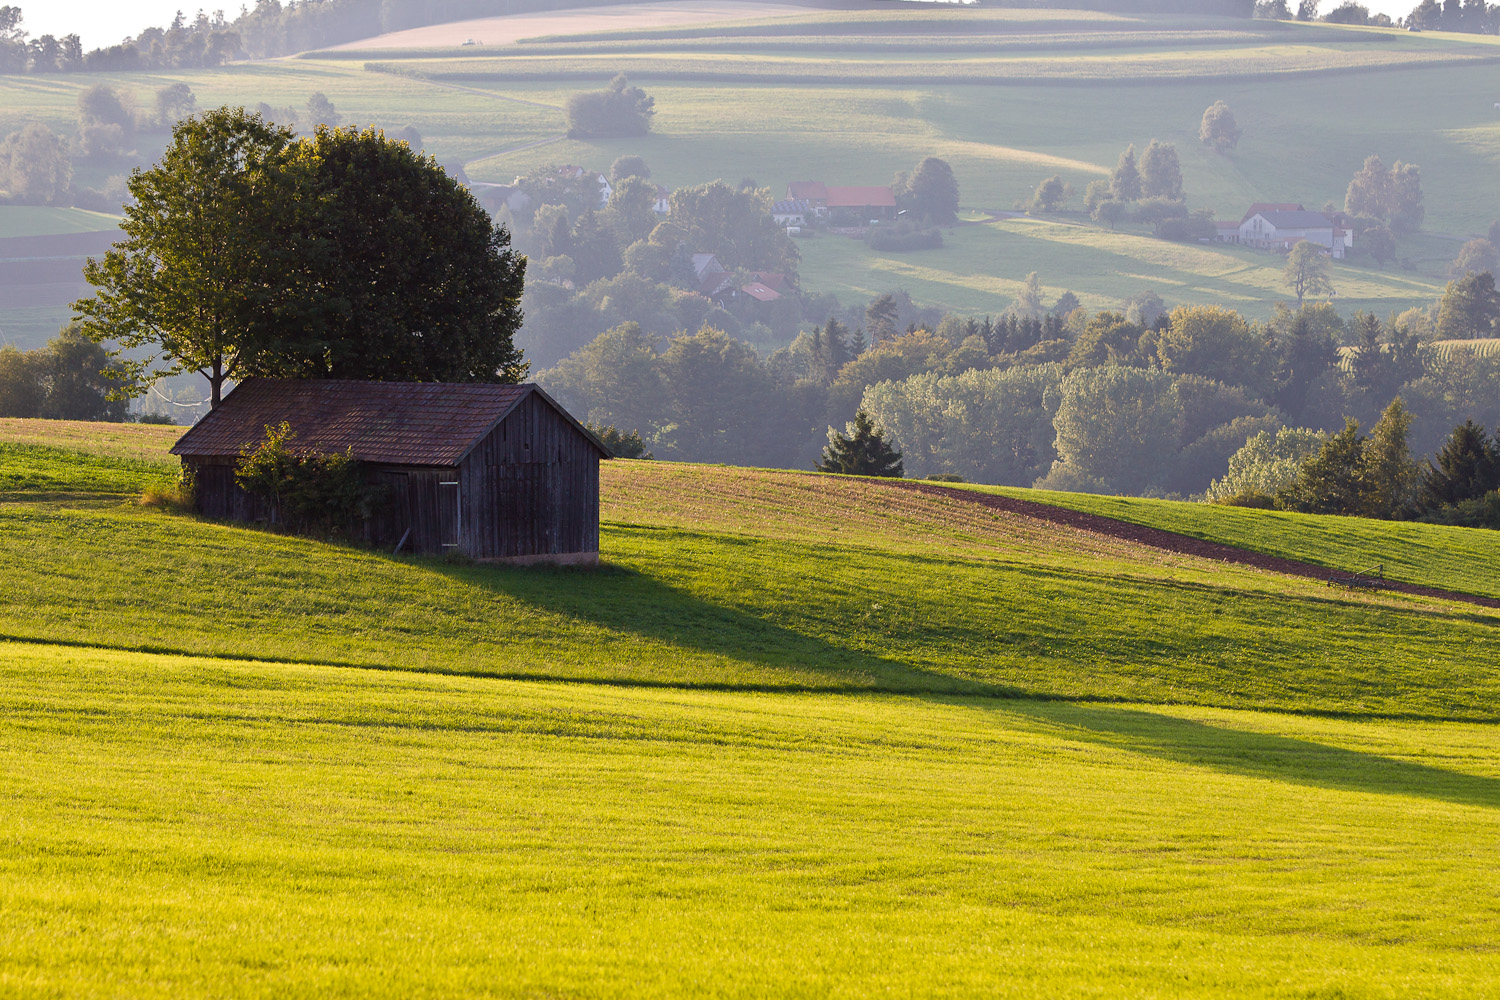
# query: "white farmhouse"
{"type": "Point", "coordinates": [1278, 229]}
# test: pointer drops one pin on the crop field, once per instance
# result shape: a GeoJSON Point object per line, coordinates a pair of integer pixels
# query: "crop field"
{"type": "Point", "coordinates": [853, 740]}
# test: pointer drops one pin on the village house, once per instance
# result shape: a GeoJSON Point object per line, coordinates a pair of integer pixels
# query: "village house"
{"type": "Point", "coordinates": [494, 472]}
{"type": "Point", "coordinates": [792, 212]}
{"type": "Point", "coordinates": [1282, 230]}
{"type": "Point", "coordinates": [845, 205]}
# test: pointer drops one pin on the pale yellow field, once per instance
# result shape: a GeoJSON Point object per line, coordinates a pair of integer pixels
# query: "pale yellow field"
{"type": "Point", "coordinates": [514, 27]}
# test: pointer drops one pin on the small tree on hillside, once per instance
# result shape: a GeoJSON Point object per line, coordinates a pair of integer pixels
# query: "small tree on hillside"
{"type": "Point", "coordinates": [861, 451]}
{"type": "Point", "coordinates": [1161, 173]}
{"type": "Point", "coordinates": [930, 191]}
{"type": "Point", "coordinates": [1050, 195]}
{"type": "Point", "coordinates": [1218, 128]}
{"type": "Point", "coordinates": [1125, 182]}
{"type": "Point", "coordinates": [1306, 272]}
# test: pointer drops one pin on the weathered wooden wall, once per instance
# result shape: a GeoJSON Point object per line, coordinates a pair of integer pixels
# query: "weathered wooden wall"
{"type": "Point", "coordinates": [531, 488]}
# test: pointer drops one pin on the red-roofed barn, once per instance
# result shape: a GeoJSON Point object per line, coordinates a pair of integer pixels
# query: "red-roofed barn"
{"type": "Point", "coordinates": [496, 472]}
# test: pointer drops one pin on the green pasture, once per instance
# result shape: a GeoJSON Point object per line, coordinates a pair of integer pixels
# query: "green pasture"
{"type": "Point", "coordinates": [29, 471]}
{"type": "Point", "coordinates": [981, 267]}
{"type": "Point", "coordinates": [199, 827]}
{"type": "Point", "coordinates": [728, 578]}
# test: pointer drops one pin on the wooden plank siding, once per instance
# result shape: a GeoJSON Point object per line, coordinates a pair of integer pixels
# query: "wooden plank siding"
{"type": "Point", "coordinates": [530, 488]}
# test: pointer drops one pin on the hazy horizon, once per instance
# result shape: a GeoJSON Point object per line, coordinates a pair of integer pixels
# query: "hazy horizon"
{"type": "Point", "coordinates": [100, 24]}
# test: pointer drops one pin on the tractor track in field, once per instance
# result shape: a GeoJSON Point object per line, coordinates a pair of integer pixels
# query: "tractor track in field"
{"type": "Point", "coordinates": [1172, 541]}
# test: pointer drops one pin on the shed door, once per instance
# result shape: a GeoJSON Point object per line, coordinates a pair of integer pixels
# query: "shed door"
{"type": "Point", "coordinates": [450, 513]}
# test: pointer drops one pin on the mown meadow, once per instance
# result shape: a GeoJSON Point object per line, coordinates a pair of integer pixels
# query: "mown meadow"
{"type": "Point", "coordinates": [802, 735]}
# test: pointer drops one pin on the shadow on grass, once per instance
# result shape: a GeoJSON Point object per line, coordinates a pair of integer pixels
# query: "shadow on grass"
{"type": "Point", "coordinates": [1259, 755]}
{"type": "Point", "coordinates": [630, 602]}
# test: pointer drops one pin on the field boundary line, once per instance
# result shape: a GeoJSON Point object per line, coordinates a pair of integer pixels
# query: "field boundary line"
{"type": "Point", "coordinates": [1172, 541]}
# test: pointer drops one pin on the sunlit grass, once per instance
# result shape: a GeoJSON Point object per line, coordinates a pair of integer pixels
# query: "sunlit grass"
{"type": "Point", "coordinates": [218, 828]}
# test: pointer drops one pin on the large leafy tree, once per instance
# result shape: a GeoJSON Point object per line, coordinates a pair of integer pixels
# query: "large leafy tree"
{"type": "Point", "coordinates": [199, 280]}
{"type": "Point", "coordinates": [403, 273]}
{"type": "Point", "coordinates": [930, 191]}
{"type": "Point", "coordinates": [617, 110]}
{"type": "Point", "coordinates": [1470, 307]}
{"type": "Point", "coordinates": [1218, 128]}
{"type": "Point", "coordinates": [343, 255]}
{"type": "Point", "coordinates": [1161, 173]}
{"type": "Point", "coordinates": [735, 225]}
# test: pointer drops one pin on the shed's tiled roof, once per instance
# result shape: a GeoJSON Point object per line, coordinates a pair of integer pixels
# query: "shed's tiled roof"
{"type": "Point", "coordinates": [391, 423]}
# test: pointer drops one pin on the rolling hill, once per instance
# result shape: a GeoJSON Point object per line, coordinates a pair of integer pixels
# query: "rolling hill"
{"type": "Point", "coordinates": [807, 735]}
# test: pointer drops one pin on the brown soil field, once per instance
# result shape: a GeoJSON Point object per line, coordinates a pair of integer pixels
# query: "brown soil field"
{"type": "Point", "coordinates": [506, 30]}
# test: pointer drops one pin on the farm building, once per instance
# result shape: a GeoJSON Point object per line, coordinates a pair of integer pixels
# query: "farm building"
{"type": "Point", "coordinates": [496, 472]}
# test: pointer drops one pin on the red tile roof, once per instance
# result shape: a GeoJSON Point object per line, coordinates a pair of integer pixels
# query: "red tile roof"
{"type": "Point", "coordinates": [861, 197]}
{"type": "Point", "coordinates": [390, 423]}
{"type": "Point", "coordinates": [760, 292]}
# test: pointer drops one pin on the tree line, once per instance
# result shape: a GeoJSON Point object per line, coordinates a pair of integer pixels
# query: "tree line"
{"type": "Point", "coordinates": [1144, 402]}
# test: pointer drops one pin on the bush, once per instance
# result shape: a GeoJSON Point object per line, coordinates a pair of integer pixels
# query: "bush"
{"type": "Point", "coordinates": [1479, 512]}
{"type": "Point", "coordinates": [620, 443]}
{"type": "Point", "coordinates": [179, 498]}
{"type": "Point", "coordinates": [308, 492]}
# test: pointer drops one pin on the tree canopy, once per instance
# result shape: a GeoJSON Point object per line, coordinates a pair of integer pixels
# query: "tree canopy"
{"type": "Point", "coordinates": [1218, 128]}
{"type": "Point", "coordinates": [343, 255]}
{"type": "Point", "coordinates": [200, 275]}
{"type": "Point", "coordinates": [930, 191]}
{"type": "Point", "coordinates": [1306, 271]}
{"type": "Point", "coordinates": [617, 110]}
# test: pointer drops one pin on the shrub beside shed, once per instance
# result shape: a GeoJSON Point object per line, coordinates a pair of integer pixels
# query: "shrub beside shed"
{"type": "Point", "coordinates": [495, 472]}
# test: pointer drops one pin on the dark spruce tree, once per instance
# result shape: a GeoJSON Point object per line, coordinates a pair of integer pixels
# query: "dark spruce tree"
{"type": "Point", "coordinates": [1467, 467]}
{"type": "Point", "coordinates": [862, 451]}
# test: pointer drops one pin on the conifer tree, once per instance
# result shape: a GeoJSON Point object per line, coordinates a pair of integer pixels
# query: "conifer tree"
{"type": "Point", "coordinates": [1125, 183]}
{"type": "Point", "coordinates": [1468, 466]}
{"type": "Point", "coordinates": [861, 451]}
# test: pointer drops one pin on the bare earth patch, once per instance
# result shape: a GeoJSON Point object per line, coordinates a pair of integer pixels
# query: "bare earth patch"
{"type": "Point", "coordinates": [512, 28]}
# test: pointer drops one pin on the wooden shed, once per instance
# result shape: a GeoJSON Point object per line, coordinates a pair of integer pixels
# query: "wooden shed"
{"type": "Point", "coordinates": [495, 472]}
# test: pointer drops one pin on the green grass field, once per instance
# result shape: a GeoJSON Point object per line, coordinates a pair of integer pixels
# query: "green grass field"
{"type": "Point", "coordinates": [849, 740]}
{"type": "Point", "coordinates": [198, 827]}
